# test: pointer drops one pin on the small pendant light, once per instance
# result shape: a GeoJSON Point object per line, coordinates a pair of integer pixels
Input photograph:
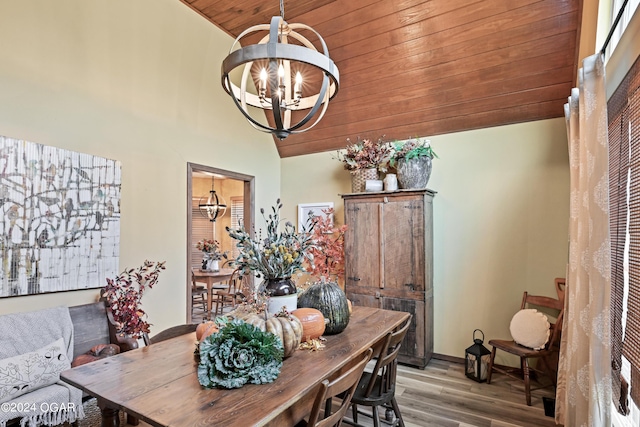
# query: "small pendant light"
{"type": "Point", "coordinates": [213, 206]}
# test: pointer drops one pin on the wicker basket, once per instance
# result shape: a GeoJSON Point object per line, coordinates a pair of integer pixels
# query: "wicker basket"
{"type": "Point", "coordinates": [359, 178]}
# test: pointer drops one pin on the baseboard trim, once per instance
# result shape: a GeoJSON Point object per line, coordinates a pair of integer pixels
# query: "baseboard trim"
{"type": "Point", "coordinates": [460, 360]}
{"type": "Point", "coordinates": [447, 358]}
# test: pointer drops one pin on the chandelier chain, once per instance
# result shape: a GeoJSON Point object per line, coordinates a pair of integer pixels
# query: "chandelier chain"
{"type": "Point", "coordinates": [282, 9]}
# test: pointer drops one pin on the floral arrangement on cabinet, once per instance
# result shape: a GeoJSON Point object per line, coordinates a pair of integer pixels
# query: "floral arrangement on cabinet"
{"type": "Point", "coordinates": [365, 154]}
{"type": "Point", "coordinates": [124, 294]}
{"type": "Point", "coordinates": [410, 149]}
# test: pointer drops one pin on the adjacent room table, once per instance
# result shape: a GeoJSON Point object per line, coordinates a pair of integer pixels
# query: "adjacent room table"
{"type": "Point", "coordinates": [158, 384]}
{"type": "Point", "coordinates": [211, 278]}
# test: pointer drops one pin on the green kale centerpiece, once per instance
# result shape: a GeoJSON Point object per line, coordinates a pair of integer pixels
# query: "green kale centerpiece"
{"type": "Point", "coordinates": [238, 354]}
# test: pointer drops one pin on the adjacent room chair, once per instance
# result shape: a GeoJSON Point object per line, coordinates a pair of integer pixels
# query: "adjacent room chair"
{"type": "Point", "coordinates": [198, 297]}
{"type": "Point", "coordinates": [378, 387]}
{"type": "Point", "coordinates": [544, 356]}
{"type": "Point", "coordinates": [341, 388]}
{"type": "Point", "coordinates": [233, 295]}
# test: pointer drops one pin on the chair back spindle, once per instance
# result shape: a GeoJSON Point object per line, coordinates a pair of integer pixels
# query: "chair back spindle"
{"type": "Point", "coordinates": [344, 386]}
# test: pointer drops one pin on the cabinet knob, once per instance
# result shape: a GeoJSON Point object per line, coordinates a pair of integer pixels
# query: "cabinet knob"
{"type": "Point", "coordinates": [377, 295]}
{"type": "Point", "coordinates": [355, 279]}
{"type": "Point", "coordinates": [410, 286]}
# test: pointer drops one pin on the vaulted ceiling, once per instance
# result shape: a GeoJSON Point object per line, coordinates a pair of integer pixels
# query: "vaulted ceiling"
{"type": "Point", "coordinates": [426, 67]}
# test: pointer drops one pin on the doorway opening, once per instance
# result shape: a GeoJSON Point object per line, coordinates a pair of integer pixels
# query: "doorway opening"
{"type": "Point", "coordinates": [236, 191]}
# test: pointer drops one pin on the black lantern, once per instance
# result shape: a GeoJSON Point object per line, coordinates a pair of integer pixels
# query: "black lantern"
{"type": "Point", "coordinates": [476, 360]}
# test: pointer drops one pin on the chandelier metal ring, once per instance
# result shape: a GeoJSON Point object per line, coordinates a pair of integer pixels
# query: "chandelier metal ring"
{"type": "Point", "coordinates": [276, 87]}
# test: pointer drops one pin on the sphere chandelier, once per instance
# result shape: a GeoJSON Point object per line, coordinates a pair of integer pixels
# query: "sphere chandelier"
{"type": "Point", "coordinates": [213, 206]}
{"type": "Point", "coordinates": [274, 77]}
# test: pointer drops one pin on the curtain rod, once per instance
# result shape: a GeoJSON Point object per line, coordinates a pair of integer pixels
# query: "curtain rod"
{"type": "Point", "coordinates": [613, 26]}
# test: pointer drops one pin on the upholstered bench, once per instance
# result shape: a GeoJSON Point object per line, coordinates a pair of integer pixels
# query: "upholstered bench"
{"type": "Point", "coordinates": [36, 347]}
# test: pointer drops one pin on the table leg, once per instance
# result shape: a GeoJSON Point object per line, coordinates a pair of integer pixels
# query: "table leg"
{"type": "Point", "coordinates": [110, 416]}
{"type": "Point", "coordinates": [209, 296]}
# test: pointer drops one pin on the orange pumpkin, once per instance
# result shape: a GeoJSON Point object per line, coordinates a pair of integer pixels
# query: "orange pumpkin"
{"type": "Point", "coordinates": [205, 329]}
{"type": "Point", "coordinates": [313, 322]}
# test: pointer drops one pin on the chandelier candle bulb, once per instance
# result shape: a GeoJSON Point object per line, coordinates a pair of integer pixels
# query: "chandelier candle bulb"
{"type": "Point", "coordinates": [263, 83]}
{"type": "Point", "coordinates": [298, 86]}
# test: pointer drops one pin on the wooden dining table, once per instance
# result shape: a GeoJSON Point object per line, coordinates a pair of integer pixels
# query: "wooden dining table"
{"type": "Point", "coordinates": [158, 384]}
{"type": "Point", "coordinates": [211, 278]}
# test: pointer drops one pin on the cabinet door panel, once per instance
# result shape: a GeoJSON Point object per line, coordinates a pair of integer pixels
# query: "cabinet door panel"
{"type": "Point", "coordinates": [413, 345]}
{"type": "Point", "coordinates": [362, 244]}
{"type": "Point", "coordinates": [364, 300]}
{"type": "Point", "coordinates": [403, 240]}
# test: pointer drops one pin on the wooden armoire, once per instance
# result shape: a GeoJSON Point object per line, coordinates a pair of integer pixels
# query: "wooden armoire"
{"type": "Point", "coordinates": [389, 261]}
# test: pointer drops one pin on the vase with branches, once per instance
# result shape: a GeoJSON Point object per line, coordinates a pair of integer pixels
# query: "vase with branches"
{"type": "Point", "coordinates": [364, 158]}
{"type": "Point", "coordinates": [123, 295]}
{"type": "Point", "coordinates": [275, 257]}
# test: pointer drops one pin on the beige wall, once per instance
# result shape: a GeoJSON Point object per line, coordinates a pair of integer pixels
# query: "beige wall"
{"type": "Point", "coordinates": [500, 221]}
{"type": "Point", "coordinates": [137, 81]}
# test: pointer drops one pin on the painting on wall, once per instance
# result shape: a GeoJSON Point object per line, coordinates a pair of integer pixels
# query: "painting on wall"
{"type": "Point", "coordinates": [308, 210]}
{"type": "Point", "coordinates": [59, 219]}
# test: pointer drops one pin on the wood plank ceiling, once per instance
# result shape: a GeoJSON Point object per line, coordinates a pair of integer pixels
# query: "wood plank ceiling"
{"type": "Point", "coordinates": [426, 67]}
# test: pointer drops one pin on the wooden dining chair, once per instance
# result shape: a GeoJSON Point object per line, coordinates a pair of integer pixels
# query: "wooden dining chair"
{"type": "Point", "coordinates": [198, 296]}
{"type": "Point", "coordinates": [341, 388]}
{"type": "Point", "coordinates": [233, 295]}
{"type": "Point", "coordinates": [377, 388]}
{"type": "Point", "coordinates": [172, 332]}
{"type": "Point", "coordinates": [544, 355]}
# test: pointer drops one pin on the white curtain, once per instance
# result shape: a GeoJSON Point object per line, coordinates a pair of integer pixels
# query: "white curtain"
{"type": "Point", "coordinates": [584, 377]}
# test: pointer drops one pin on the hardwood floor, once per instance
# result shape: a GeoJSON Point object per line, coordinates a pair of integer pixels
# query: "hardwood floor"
{"type": "Point", "coordinates": [440, 395]}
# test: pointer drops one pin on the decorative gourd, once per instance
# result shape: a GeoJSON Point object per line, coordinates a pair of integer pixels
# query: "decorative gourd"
{"type": "Point", "coordinates": [331, 301]}
{"type": "Point", "coordinates": [312, 320]}
{"type": "Point", "coordinates": [288, 329]}
{"type": "Point", "coordinates": [205, 329]}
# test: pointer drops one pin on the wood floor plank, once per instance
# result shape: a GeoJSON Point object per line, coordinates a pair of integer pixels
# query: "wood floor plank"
{"type": "Point", "coordinates": [441, 395]}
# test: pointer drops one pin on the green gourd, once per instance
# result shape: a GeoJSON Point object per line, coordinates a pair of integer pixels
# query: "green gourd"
{"type": "Point", "coordinates": [331, 301]}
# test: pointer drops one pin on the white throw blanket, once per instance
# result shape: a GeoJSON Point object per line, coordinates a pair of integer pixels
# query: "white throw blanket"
{"type": "Point", "coordinates": [22, 333]}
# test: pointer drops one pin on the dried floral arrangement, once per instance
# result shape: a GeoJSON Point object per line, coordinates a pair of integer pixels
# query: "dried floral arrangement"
{"type": "Point", "coordinates": [410, 149]}
{"type": "Point", "coordinates": [124, 294]}
{"type": "Point", "coordinates": [211, 249]}
{"type": "Point", "coordinates": [328, 251]}
{"type": "Point", "coordinates": [365, 154]}
{"type": "Point", "coordinates": [279, 254]}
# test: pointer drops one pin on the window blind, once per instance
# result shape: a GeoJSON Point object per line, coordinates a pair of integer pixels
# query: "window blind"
{"type": "Point", "coordinates": [237, 219]}
{"type": "Point", "coordinates": [624, 135]}
{"type": "Point", "coordinates": [618, 167]}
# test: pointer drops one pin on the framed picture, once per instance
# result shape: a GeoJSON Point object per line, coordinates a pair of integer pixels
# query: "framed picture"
{"type": "Point", "coordinates": [311, 209]}
{"type": "Point", "coordinates": [59, 219]}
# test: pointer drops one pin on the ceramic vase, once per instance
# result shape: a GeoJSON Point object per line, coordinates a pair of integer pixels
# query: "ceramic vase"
{"type": "Point", "coordinates": [213, 265]}
{"type": "Point", "coordinates": [414, 173]}
{"type": "Point", "coordinates": [282, 293]}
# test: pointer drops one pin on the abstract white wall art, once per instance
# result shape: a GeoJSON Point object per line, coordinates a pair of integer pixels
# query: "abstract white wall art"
{"type": "Point", "coordinates": [59, 219]}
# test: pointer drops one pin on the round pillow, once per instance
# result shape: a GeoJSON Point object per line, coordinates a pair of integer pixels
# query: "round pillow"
{"type": "Point", "coordinates": [530, 328]}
